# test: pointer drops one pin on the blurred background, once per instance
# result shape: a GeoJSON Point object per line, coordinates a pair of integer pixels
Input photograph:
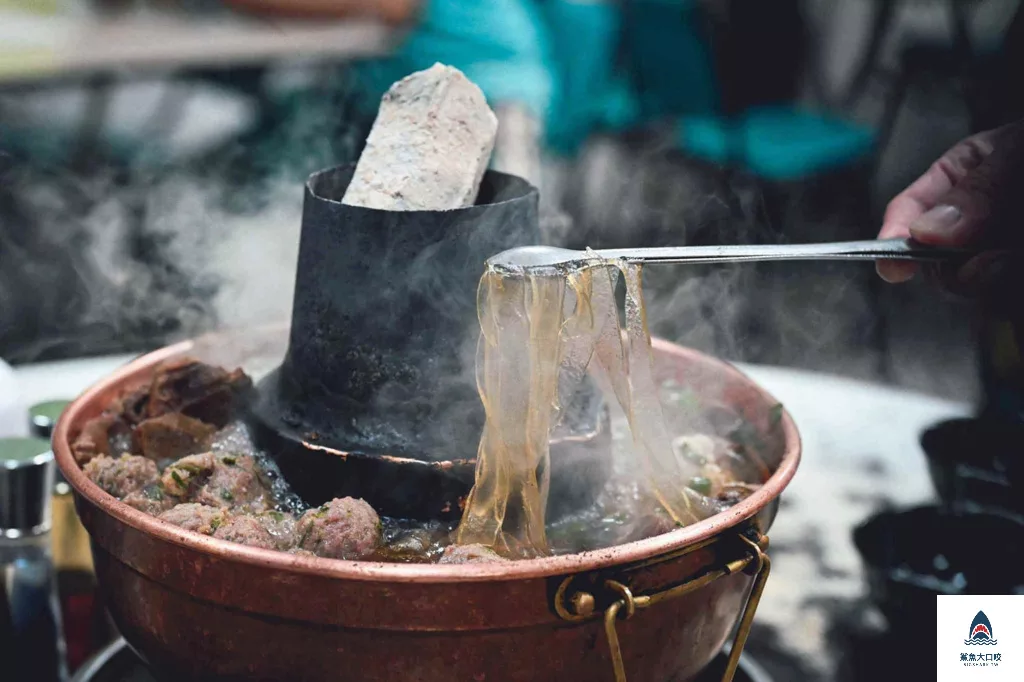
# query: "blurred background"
{"type": "Point", "coordinates": [152, 155]}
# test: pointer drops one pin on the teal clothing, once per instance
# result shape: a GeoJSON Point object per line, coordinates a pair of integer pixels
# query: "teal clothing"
{"type": "Point", "coordinates": [555, 57]}
{"type": "Point", "coordinates": [564, 61]}
{"type": "Point", "coordinates": [778, 142]}
{"type": "Point", "coordinates": [592, 95]}
{"type": "Point", "coordinates": [501, 45]}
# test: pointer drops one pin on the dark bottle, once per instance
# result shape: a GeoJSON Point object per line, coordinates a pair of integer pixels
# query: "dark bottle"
{"type": "Point", "coordinates": [31, 642]}
{"type": "Point", "coordinates": [1002, 371]}
{"type": "Point", "coordinates": [1001, 340]}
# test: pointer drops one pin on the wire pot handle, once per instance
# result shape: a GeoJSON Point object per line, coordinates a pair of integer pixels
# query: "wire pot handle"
{"type": "Point", "coordinates": [580, 605]}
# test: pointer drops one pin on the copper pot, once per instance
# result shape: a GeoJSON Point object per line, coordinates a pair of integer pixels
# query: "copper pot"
{"type": "Point", "coordinates": [659, 609]}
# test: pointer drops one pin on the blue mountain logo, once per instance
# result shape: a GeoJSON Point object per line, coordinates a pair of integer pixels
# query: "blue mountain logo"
{"type": "Point", "coordinates": [981, 631]}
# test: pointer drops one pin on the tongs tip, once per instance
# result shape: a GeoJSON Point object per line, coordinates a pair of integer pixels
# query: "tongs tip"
{"type": "Point", "coordinates": [535, 259]}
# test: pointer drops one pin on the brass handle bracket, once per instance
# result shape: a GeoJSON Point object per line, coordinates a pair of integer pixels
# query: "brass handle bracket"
{"type": "Point", "coordinates": [619, 602]}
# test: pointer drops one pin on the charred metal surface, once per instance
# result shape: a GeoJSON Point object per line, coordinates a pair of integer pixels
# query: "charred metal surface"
{"type": "Point", "coordinates": [378, 383]}
{"type": "Point", "coordinates": [408, 487]}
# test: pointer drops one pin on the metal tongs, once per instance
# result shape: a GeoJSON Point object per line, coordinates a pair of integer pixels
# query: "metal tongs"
{"type": "Point", "coordinates": [551, 259]}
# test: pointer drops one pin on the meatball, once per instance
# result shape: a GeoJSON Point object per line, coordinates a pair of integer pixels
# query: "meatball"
{"type": "Point", "coordinates": [234, 483]}
{"type": "Point", "coordinates": [152, 499]}
{"type": "Point", "coordinates": [344, 528]}
{"type": "Point", "coordinates": [246, 530]}
{"type": "Point", "coordinates": [185, 476]}
{"type": "Point", "coordinates": [196, 517]}
{"type": "Point", "coordinates": [121, 476]}
{"type": "Point", "coordinates": [469, 554]}
{"type": "Point", "coordinates": [131, 406]}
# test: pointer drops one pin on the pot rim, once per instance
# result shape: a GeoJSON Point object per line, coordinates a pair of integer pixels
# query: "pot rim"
{"type": "Point", "coordinates": [416, 573]}
{"type": "Point", "coordinates": [525, 187]}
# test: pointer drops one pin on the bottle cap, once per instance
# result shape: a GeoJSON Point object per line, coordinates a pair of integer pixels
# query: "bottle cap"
{"type": "Point", "coordinates": [26, 485]}
{"type": "Point", "coordinates": [43, 417]}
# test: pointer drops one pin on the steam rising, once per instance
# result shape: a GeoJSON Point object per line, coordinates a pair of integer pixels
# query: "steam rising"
{"type": "Point", "coordinates": [640, 192]}
{"type": "Point", "coordinates": [104, 267]}
{"type": "Point", "coordinates": [105, 255]}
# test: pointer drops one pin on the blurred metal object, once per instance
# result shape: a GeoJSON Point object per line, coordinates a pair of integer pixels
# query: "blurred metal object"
{"type": "Point", "coordinates": [545, 257]}
{"type": "Point", "coordinates": [43, 417]}
{"type": "Point", "coordinates": [31, 645]}
{"type": "Point", "coordinates": [26, 481]}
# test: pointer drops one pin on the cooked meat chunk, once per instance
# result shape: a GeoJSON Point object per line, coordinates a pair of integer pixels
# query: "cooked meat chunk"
{"type": "Point", "coordinates": [131, 407]}
{"type": "Point", "coordinates": [184, 477]}
{"type": "Point", "coordinates": [246, 530]}
{"type": "Point", "coordinates": [152, 499]}
{"type": "Point", "coordinates": [281, 527]}
{"type": "Point", "coordinates": [111, 432]}
{"type": "Point", "coordinates": [204, 392]}
{"type": "Point", "coordinates": [234, 483]}
{"type": "Point", "coordinates": [94, 440]}
{"type": "Point", "coordinates": [196, 517]}
{"type": "Point", "coordinates": [469, 554]}
{"type": "Point", "coordinates": [121, 476]}
{"type": "Point", "coordinates": [171, 436]}
{"type": "Point", "coordinates": [344, 528]}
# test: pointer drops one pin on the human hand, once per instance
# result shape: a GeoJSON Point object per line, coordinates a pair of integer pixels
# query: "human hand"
{"type": "Point", "coordinates": [973, 196]}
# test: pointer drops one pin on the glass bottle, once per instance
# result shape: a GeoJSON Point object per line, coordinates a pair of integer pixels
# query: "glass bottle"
{"type": "Point", "coordinates": [87, 627]}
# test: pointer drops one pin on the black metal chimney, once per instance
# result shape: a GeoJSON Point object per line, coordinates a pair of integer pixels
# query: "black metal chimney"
{"type": "Point", "coordinates": [376, 395]}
